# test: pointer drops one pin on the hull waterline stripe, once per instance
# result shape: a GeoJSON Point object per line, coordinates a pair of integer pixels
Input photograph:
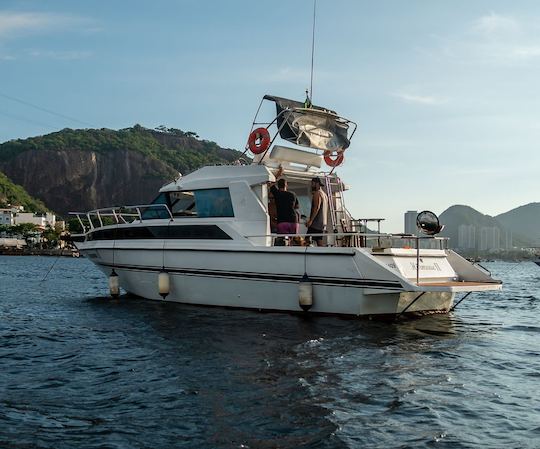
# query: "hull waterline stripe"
{"type": "Point", "coordinates": [365, 283]}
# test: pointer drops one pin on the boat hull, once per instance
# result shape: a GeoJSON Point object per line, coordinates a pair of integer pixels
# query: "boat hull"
{"type": "Point", "coordinates": [277, 295]}
{"type": "Point", "coordinates": [267, 279]}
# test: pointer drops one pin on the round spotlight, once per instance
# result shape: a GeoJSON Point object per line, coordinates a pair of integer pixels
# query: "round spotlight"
{"type": "Point", "coordinates": [428, 223]}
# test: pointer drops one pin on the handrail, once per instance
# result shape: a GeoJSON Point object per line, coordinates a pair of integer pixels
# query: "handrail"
{"type": "Point", "coordinates": [367, 237]}
{"type": "Point", "coordinates": [361, 234]}
{"type": "Point", "coordinates": [118, 213]}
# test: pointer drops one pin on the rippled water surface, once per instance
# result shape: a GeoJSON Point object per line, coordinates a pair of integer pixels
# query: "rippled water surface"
{"type": "Point", "coordinates": [81, 370]}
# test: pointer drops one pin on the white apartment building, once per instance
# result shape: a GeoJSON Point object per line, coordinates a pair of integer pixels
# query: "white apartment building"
{"type": "Point", "coordinates": [466, 236]}
{"type": "Point", "coordinates": [41, 221]}
{"type": "Point", "coordinates": [6, 217]}
{"type": "Point", "coordinates": [490, 238]}
{"type": "Point", "coordinates": [507, 240]}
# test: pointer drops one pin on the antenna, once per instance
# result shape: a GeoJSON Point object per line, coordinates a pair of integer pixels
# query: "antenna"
{"type": "Point", "coordinates": [312, 52]}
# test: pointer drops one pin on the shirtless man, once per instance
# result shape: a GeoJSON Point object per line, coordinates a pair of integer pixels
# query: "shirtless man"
{"type": "Point", "coordinates": [319, 211]}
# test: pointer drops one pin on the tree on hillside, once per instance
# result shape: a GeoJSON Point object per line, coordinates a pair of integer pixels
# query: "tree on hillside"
{"type": "Point", "coordinates": [52, 236]}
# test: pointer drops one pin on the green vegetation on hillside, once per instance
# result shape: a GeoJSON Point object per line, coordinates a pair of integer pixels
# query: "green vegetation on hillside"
{"type": "Point", "coordinates": [183, 151]}
{"type": "Point", "coordinates": [13, 194]}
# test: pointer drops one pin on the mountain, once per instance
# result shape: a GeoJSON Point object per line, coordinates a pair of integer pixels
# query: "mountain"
{"type": "Point", "coordinates": [524, 220]}
{"type": "Point", "coordinates": [78, 170]}
{"type": "Point", "coordinates": [12, 194]}
{"type": "Point", "coordinates": [458, 215]}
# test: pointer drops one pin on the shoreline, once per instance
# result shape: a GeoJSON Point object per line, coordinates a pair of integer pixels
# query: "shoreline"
{"type": "Point", "coordinates": [39, 252]}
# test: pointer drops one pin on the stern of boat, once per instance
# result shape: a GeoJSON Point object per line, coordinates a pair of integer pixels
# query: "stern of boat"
{"type": "Point", "coordinates": [431, 279]}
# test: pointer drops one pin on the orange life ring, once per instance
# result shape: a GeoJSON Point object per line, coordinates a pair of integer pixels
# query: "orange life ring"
{"type": "Point", "coordinates": [333, 160]}
{"type": "Point", "coordinates": [259, 140]}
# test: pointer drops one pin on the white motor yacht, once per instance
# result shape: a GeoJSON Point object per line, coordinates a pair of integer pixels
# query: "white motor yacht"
{"type": "Point", "coordinates": [207, 238]}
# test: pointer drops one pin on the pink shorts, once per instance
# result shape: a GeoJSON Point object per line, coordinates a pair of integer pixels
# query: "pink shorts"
{"type": "Point", "coordinates": [287, 228]}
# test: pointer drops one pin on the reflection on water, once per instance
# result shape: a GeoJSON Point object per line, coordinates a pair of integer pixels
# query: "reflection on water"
{"type": "Point", "coordinates": [79, 369]}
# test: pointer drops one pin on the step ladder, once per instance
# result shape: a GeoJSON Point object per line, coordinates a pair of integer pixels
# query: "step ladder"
{"type": "Point", "coordinates": [339, 215]}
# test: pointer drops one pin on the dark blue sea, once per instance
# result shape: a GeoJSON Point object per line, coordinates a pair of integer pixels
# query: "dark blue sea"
{"type": "Point", "coordinates": [79, 370]}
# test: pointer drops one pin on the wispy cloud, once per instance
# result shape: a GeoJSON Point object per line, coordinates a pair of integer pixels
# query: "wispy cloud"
{"type": "Point", "coordinates": [527, 52]}
{"type": "Point", "coordinates": [495, 39]}
{"type": "Point", "coordinates": [427, 100]}
{"type": "Point", "coordinates": [495, 24]}
{"type": "Point", "coordinates": [288, 74]}
{"type": "Point", "coordinates": [14, 24]}
{"type": "Point", "coordinates": [66, 55]}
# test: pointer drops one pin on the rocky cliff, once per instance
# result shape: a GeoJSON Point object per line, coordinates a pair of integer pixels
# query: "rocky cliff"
{"type": "Point", "coordinates": [79, 170]}
{"type": "Point", "coordinates": [79, 180]}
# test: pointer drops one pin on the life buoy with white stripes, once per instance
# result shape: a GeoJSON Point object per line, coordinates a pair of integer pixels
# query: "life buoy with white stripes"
{"type": "Point", "coordinates": [333, 160]}
{"type": "Point", "coordinates": [259, 140]}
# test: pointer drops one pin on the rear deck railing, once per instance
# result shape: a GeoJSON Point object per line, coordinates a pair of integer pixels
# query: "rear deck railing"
{"type": "Point", "coordinates": [377, 242]}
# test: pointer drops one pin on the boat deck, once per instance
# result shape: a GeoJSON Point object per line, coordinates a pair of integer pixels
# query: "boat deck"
{"type": "Point", "coordinates": [455, 284]}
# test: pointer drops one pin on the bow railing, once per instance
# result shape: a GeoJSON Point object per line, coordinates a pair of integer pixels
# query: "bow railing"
{"type": "Point", "coordinates": [107, 216]}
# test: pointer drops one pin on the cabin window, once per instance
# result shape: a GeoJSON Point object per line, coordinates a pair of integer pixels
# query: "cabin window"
{"type": "Point", "coordinates": [202, 203]}
{"type": "Point", "coordinates": [156, 212]}
{"type": "Point", "coordinates": [160, 199]}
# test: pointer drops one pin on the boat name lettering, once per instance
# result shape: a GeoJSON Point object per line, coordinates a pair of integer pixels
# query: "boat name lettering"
{"type": "Point", "coordinates": [434, 267]}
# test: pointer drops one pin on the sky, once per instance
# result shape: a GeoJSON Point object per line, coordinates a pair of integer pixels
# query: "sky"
{"type": "Point", "coordinates": [445, 94]}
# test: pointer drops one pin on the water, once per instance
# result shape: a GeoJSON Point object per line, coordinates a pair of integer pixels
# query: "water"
{"type": "Point", "coordinates": [81, 370]}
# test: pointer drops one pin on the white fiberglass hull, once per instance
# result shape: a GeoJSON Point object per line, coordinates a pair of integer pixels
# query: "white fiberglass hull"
{"type": "Point", "coordinates": [346, 281]}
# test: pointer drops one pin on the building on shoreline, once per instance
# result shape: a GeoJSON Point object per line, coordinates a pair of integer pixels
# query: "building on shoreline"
{"type": "Point", "coordinates": [466, 237]}
{"type": "Point", "coordinates": [42, 221]}
{"type": "Point", "coordinates": [6, 217]}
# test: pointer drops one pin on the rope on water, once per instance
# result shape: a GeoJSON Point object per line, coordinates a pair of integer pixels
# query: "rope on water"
{"type": "Point", "coordinates": [54, 263]}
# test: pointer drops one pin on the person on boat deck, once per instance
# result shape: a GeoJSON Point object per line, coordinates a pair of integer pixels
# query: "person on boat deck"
{"type": "Point", "coordinates": [319, 211]}
{"type": "Point", "coordinates": [286, 205]}
{"type": "Point", "coordinates": [272, 212]}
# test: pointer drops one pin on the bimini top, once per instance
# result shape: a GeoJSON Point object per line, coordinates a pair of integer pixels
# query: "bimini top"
{"type": "Point", "coordinates": [311, 126]}
{"type": "Point", "coordinates": [212, 177]}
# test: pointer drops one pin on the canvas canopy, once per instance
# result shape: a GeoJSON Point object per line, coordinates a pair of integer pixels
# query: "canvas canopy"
{"type": "Point", "coordinates": [313, 126]}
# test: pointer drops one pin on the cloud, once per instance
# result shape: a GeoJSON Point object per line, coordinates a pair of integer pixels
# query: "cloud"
{"type": "Point", "coordinates": [66, 55]}
{"type": "Point", "coordinates": [495, 24]}
{"type": "Point", "coordinates": [288, 74]}
{"type": "Point", "coordinates": [419, 99]}
{"type": "Point", "coordinates": [492, 39]}
{"type": "Point", "coordinates": [527, 52]}
{"type": "Point", "coordinates": [14, 24]}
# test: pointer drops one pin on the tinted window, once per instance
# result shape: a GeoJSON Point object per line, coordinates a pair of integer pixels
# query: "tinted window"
{"type": "Point", "coordinates": [183, 204]}
{"type": "Point", "coordinates": [202, 203]}
{"type": "Point", "coordinates": [211, 232]}
{"type": "Point", "coordinates": [148, 213]}
{"type": "Point", "coordinates": [160, 199]}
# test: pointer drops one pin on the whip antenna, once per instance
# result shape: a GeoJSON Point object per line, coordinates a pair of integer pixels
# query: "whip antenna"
{"type": "Point", "coordinates": [312, 51]}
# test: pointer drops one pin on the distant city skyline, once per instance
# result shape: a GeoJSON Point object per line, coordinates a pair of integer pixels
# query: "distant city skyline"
{"type": "Point", "coordinates": [444, 93]}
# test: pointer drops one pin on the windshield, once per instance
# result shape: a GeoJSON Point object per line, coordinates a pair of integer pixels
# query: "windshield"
{"type": "Point", "coordinates": [202, 203]}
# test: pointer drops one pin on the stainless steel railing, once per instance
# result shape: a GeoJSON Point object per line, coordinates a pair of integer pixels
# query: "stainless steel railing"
{"type": "Point", "coordinates": [107, 216]}
{"type": "Point", "coordinates": [377, 242]}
